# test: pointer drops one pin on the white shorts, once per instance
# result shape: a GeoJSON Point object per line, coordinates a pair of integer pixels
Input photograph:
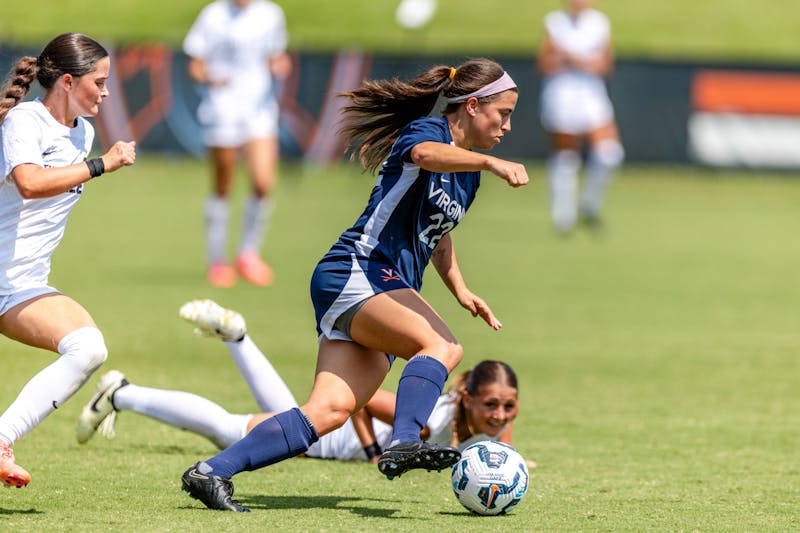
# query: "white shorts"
{"type": "Point", "coordinates": [575, 105]}
{"type": "Point", "coordinates": [230, 131]}
{"type": "Point", "coordinates": [7, 301]}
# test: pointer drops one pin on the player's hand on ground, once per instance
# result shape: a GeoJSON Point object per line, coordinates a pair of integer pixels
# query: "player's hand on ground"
{"type": "Point", "coordinates": [122, 154]}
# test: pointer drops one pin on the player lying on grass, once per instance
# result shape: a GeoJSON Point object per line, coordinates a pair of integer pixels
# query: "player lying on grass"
{"type": "Point", "coordinates": [481, 403]}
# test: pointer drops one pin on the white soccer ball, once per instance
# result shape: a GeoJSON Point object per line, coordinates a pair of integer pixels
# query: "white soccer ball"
{"type": "Point", "coordinates": [491, 478]}
{"type": "Point", "coordinates": [414, 14]}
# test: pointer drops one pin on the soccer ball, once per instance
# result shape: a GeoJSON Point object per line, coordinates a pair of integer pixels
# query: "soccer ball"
{"type": "Point", "coordinates": [414, 14]}
{"type": "Point", "coordinates": [491, 478]}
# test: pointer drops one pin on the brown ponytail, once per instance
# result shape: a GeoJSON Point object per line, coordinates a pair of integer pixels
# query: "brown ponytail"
{"type": "Point", "coordinates": [379, 109]}
{"type": "Point", "coordinates": [69, 53]}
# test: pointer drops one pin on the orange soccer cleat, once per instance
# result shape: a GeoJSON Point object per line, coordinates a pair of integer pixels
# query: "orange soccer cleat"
{"type": "Point", "coordinates": [254, 269]}
{"type": "Point", "coordinates": [11, 473]}
{"type": "Point", "coordinates": [221, 275]}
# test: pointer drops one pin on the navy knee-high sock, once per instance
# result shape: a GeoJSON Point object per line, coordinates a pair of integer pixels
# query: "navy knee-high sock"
{"type": "Point", "coordinates": [420, 386]}
{"type": "Point", "coordinates": [283, 436]}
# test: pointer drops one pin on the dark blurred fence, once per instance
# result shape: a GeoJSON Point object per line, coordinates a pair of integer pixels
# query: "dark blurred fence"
{"type": "Point", "coordinates": [722, 115]}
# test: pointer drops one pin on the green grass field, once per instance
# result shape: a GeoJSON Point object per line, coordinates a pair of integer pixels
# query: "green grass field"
{"type": "Point", "coordinates": [678, 29]}
{"type": "Point", "coordinates": [657, 361]}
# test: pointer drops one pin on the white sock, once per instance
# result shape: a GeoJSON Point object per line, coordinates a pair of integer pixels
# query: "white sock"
{"type": "Point", "coordinates": [184, 410]}
{"type": "Point", "coordinates": [82, 352]}
{"type": "Point", "coordinates": [257, 214]}
{"type": "Point", "coordinates": [216, 210]}
{"type": "Point", "coordinates": [603, 159]}
{"type": "Point", "coordinates": [562, 169]}
{"type": "Point", "coordinates": [269, 390]}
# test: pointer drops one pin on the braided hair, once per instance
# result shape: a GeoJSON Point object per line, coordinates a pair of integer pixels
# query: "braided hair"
{"type": "Point", "coordinates": [69, 53]}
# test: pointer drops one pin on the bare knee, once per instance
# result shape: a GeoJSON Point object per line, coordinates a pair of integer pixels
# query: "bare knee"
{"type": "Point", "coordinates": [327, 418]}
{"type": "Point", "coordinates": [447, 353]}
{"type": "Point", "coordinates": [455, 354]}
{"type": "Point", "coordinates": [338, 416]}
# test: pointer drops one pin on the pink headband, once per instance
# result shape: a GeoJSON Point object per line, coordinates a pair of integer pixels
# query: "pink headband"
{"type": "Point", "coordinates": [503, 83]}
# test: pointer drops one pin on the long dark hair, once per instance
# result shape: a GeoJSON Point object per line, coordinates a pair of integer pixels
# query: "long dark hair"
{"type": "Point", "coordinates": [379, 109]}
{"type": "Point", "coordinates": [485, 372]}
{"type": "Point", "coordinates": [69, 53]}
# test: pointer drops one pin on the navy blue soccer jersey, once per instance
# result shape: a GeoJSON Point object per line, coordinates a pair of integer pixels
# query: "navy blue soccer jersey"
{"type": "Point", "coordinates": [409, 208]}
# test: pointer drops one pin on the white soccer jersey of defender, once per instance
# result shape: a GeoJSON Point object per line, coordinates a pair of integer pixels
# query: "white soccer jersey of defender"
{"type": "Point", "coordinates": [576, 101]}
{"type": "Point", "coordinates": [236, 45]}
{"type": "Point", "coordinates": [586, 35]}
{"type": "Point", "coordinates": [30, 229]}
{"type": "Point", "coordinates": [344, 444]}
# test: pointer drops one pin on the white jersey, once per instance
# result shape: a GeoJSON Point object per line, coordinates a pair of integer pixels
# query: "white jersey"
{"type": "Point", "coordinates": [441, 420]}
{"type": "Point", "coordinates": [575, 101]}
{"type": "Point", "coordinates": [30, 229]}
{"type": "Point", "coordinates": [586, 36]}
{"type": "Point", "coordinates": [236, 44]}
{"type": "Point", "coordinates": [344, 444]}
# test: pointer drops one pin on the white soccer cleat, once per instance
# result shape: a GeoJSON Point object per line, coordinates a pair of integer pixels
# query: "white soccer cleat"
{"type": "Point", "coordinates": [99, 415]}
{"type": "Point", "coordinates": [213, 320]}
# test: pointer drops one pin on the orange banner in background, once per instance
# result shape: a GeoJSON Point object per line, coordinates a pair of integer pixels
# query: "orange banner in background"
{"type": "Point", "coordinates": [746, 92]}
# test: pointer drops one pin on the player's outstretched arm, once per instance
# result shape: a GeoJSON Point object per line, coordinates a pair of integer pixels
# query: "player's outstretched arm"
{"type": "Point", "coordinates": [34, 181]}
{"type": "Point", "coordinates": [444, 259]}
{"type": "Point", "coordinates": [441, 157]}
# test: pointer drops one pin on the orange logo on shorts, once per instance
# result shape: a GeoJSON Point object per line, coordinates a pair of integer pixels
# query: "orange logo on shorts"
{"type": "Point", "coordinates": [389, 275]}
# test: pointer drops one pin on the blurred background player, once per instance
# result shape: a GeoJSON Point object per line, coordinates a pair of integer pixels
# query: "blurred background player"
{"type": "Point", "coordinates": [44, 144]}
{"type": "Point", "coordinates": [236, 49]}
{"type": "Point", "coordinates": [482, 403]}
{"type": "Point", "coordinates": [575, 56]}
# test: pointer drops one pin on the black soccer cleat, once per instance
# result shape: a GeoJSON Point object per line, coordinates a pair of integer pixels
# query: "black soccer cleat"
{"type": "Point", "coordinates": [214, 491]}
{"type": "Point", "coordinates": [405, 456]}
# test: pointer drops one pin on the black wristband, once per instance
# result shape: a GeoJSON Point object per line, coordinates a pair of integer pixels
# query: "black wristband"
{"type": "Point", "coordinates": [373, 450]}
{"type": "Point", "coordinates": [96, 166]}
